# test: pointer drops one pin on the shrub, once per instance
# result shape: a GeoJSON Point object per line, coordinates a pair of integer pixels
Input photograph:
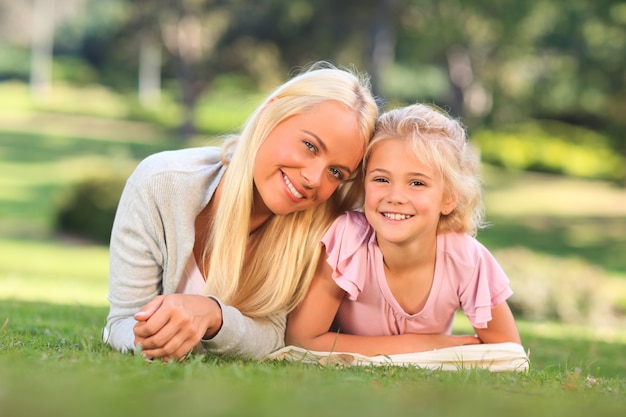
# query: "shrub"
{"type": "Point", "coordinates": [552, 147]}
{"type": "Point", "coordinates": [567, 290]}
{"type": "Point", "coordinates": [88, 209]}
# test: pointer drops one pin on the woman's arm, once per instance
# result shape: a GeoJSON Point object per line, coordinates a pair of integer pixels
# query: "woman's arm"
{"type": "Point", "coordinates": [171, 326]}
{"type": "Point", "coordinates": [308, 325]}
{"type": "Point", "coordinates": [242, 336]}
{"type": "Point", "coordinates": [135, 267]}
{"type": "Point", "coordinates": [501, 328]}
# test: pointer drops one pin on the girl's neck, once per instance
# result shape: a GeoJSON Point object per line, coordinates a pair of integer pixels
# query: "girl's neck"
{"type": "Point", "coordinates": [409, 256]}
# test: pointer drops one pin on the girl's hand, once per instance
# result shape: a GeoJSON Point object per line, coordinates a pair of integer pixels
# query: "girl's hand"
{"type": "Point", "coordinates": [411, 342]}
{"type": "Point", "coordinates": [171, 325]}
{"type": "Point", "coordinates": [460, 340]}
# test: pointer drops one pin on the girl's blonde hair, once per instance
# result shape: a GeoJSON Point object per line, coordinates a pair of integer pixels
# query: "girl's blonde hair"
{"type": "Point", "coordinates": [440, 141]}
{"type": "Point", "coordinates": [273, 276]}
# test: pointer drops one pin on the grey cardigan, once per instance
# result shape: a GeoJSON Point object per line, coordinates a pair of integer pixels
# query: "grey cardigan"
{"type": "Point", "coordinates": [152, 240]}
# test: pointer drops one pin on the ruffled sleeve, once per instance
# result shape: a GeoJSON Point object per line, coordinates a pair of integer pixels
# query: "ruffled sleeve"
{"type": "Point", "coordinates": [346, 243]}
{"type": "Point", "coordinates": [483, 286]}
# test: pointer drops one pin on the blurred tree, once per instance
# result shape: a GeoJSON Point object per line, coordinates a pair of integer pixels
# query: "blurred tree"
{"type": "Point", "coordinates": [204, 38]}
{"type": "Point", "coordinates": [491, 62]}
{"type": "Point", "coordinates": [507, 62]}
{"type": "Point", "coordinates": [32, 26]}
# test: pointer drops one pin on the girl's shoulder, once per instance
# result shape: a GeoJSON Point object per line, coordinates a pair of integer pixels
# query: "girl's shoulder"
{"type": "Point", "coordinates": [350, 224]}
{"type": "Point", "coordinates": [348, 251]}
{"type": "Point", "coordinates": [462, 248]}
{"type": "Point", "coordinates": [348, 233]}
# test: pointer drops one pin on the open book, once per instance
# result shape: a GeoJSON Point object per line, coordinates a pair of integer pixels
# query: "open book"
{"type": "Point", "coordinates": [495, 357]}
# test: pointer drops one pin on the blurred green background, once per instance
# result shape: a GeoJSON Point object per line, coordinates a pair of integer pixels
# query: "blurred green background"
{"type": "Point", "coordinates": [88, 88]}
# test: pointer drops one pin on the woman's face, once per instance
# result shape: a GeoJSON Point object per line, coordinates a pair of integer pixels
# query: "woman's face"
{"type": "Point", "coordinates": [305, 157]}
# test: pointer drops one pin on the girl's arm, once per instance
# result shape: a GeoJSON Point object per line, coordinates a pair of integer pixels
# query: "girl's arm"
{"type": "Point", "coordinates": [308, 326]}
{"type": "Point", "coordinates": [501, 328]}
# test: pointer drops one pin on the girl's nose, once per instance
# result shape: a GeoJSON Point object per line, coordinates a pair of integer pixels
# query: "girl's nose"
{"type": "Point", "coordinates": [396, 195]}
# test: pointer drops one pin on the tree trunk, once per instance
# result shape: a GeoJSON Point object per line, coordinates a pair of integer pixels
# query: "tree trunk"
{"type": "Point", "coordinates": [149, 74]}
{"type": "Point", "coordinates": [382, 43]}
{"type": "Point", "coordinates": [41, 48]}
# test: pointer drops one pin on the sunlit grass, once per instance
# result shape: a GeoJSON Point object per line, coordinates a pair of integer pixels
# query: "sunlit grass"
{"type": "Point", "coordinates": [65, 98]}
{"type": "Point", "coordinates": [524, 194]}
{"type": "Point", "coordinates": [54, 272]}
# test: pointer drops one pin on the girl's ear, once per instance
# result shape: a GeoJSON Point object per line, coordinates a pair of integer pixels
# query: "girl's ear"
{"type": "Point", "coordinates": [449, 205]}
{"type": "Point", "coordinates": [270, 101]}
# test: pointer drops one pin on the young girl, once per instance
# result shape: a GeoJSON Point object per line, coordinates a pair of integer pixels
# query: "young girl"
{"type": "Point", "coordinates": [218, 245]}
{"type": "Point", "coordinates": [395, 275]}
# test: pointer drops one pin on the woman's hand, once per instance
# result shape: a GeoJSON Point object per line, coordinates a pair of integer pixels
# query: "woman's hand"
{"type": "Point", "coordinates": [171, 325]}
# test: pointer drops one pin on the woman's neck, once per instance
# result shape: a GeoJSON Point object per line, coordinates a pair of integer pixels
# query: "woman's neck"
{"type": "Point", "coordinates": [259, 214]}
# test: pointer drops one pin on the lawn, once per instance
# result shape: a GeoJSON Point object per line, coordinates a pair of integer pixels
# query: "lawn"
{"type": "Point", "coordinates": [53, 364]}
{"type": "Point", "coordinates": [53, 304]}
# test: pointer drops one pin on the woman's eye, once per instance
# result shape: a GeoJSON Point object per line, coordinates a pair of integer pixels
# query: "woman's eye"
{"type": "Point", "coordinates": [337, 174]}
{"type": "Point", "coordinates": [379, 179]}
{"type": "Point", "coordinates": [310, 146]}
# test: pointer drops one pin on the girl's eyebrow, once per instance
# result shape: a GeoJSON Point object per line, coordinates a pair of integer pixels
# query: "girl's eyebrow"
{"type": "Point", "coordinates": [323, 147]}
{"type": "Point", "coordinates": [410, 174]}
{"type": "Point", "coordinates": [383, 171]}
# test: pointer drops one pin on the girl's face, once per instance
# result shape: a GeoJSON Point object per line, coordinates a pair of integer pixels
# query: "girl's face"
{"type": "Point", "coordinates": [305, 158]}
{"type": "Point", "coordinates": [403, 196]}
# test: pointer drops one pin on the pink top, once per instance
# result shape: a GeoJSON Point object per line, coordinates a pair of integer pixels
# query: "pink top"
{"type": "Point", "coordinates": [466, 277]}
{"type": "Point", "coordinates": [192, 281]}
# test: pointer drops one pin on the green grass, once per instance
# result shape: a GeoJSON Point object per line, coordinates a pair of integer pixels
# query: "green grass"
{"type": "Point", "coordinates": [53, 271]}
{"type": "Point", "coordinates": [557, 216]}
{"type": "Point", "coordinates": [53, 363]}
{"type": "Point", "coordinates": [53, 300]}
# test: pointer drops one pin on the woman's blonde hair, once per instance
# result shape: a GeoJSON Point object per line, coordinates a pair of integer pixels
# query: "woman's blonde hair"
{"type": "Point", "coordinates": [441, 142]}
{"type": "Point", "coordinates": [274, 274]}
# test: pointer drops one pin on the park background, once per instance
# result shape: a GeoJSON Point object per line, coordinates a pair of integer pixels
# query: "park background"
{"type": "Point", "coordinates": [88, 88]}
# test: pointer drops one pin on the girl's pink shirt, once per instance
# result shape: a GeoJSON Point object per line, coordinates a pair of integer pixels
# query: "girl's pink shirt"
{"type": "Point", "coordinates": [467, 277]}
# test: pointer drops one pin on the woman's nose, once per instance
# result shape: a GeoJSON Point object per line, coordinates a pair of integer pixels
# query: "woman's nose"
{"type": "Point", "coordinates": [312, 176]}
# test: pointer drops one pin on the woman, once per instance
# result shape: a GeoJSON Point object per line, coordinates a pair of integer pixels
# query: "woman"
{"type": "Point", "coordinates": [217, 246]}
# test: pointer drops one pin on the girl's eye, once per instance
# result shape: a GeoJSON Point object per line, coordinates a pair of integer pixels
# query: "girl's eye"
{"type": "Point", "coordinates": [310, 146]}
{"type": "Point", "coordinates": [337, 174]}
{"type": "Point", "coordinates": [416, 183]}
{"type": "Point", "coordinates": [379, 179]}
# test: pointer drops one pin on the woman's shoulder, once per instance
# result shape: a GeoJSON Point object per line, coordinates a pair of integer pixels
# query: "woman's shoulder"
{"type": "Point", "coordinates": [183, 160]}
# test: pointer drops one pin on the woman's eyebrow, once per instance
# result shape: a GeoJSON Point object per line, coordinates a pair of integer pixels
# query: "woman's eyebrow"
{"type": "Point", "coordinates": [321, 142]}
